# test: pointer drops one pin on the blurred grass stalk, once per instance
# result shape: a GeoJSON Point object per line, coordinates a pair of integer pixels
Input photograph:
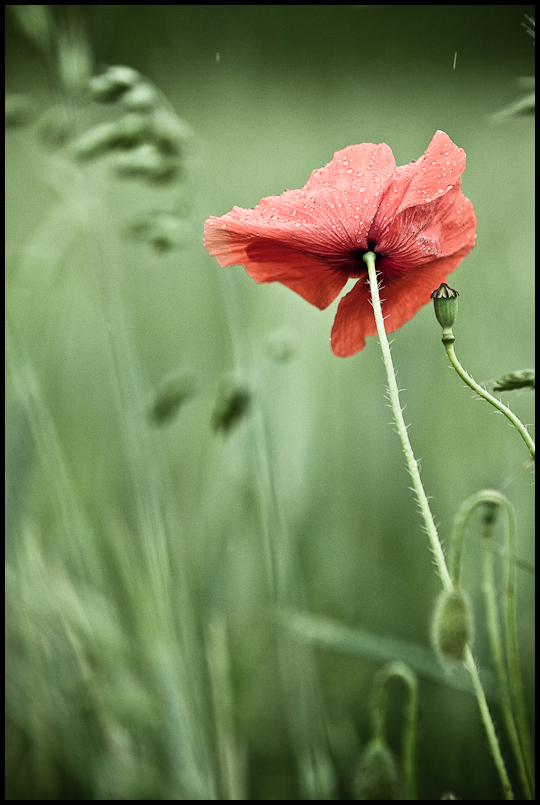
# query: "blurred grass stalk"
{"type": "Point", "coordinates": [147, 594]}
{"type": "Point", "coordinates": [106, 688]}
{"type": "Point", "coordinates": [302, 697]}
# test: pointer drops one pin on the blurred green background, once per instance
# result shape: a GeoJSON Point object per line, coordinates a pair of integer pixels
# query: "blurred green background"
{"type": "Point", "coordinates": [125, 538]}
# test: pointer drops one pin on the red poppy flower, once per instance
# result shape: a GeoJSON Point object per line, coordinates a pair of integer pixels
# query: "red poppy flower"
{"type": "Point", "coordinates": [414, 218]}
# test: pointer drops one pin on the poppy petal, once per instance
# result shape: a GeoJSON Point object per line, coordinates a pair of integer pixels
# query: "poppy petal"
{"type": "Point", "coordinates": [354, 321]}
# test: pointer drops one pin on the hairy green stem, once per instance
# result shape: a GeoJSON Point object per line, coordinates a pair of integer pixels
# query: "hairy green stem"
{"type": "Point", "coordinates": [436, 547]}
{"type": "Point", "coordinates": [510, 684]}
{"type": "Point", "coordinates": [448, 341]}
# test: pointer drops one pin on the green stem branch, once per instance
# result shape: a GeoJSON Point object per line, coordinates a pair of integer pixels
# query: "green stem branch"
{"type": "Point", "coordinates": [448, 341]}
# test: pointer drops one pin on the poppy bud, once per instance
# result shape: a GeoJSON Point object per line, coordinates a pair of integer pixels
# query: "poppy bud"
{"type": "Point", "coordinates": [377, 775]}
{"type": "Point", "coordinates": [452, 626]}
{"type": "Point", "coordinates": [446, 305]}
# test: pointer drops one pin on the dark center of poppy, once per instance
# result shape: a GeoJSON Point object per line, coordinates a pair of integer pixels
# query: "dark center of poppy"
{"type": "Point", "coordinates": [356, 266]}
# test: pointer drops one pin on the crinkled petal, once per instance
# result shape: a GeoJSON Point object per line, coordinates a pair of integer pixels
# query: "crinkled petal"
{"type": "Point", "coordinates": [419, 234]}
{"type": "Point", "coordinates": [318, 283]}
{"type": "Point", "coordinates": [326, 219]}
{"type": "Point", "coordinates": [268, 260]}
{"type": "Point", "coordinates": [435, 173]}
{"type": "Point", "coordinates": [420, 184]}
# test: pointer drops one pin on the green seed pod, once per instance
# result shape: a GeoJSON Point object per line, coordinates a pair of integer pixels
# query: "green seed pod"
{"type": "Point", "coordinates": [446, 305]}
{"type": "Point", "coordinates": [376, 776]}
{"type": "Point", "coordinates": [452, 626]}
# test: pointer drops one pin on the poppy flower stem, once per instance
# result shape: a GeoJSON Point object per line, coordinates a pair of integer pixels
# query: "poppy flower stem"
{"type": "Point", "coordinates": [412, 464]}
{"type": "Point", "coordinates": [436, 547]}
{"type": "Point", "coordinates": [448, 341]}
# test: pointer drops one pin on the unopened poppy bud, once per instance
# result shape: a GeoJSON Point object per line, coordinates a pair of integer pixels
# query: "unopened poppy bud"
{"type": "Point", "coordinates": [377, 775]}
{"type": "Point", "coordinates": [446, 305]}
{"type": "Point", "coordinates": [452, 626]}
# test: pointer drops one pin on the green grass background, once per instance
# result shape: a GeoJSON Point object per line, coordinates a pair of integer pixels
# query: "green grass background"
{"type": "Point", "coordinates": [146, 565]}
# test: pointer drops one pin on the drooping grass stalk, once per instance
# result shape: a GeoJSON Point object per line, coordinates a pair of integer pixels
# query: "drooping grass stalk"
{"type": "Point", "coordinates": [304, 710]}
{"type": "Point", "coordinates": [508, 672]}
{"type": "Point", "coordinates": [436, 547]}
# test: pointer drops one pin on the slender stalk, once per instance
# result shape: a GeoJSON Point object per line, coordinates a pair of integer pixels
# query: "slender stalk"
{"type": "Point", "coordinates": [510, 684]}
{"type": "Point", "coordinates": [448, 341]}
{"type": "Point", "coordinates": [492, 615]}
{"type": "Point", "coordinates": [399, 669]}
{"type": "Point", "coordinates": [412, 464]}
{"type": "Point", "coordinates": [436, 547]}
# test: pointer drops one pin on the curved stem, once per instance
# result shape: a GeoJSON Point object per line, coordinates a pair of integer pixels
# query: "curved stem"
{"type": "Point", "coordinates": [448, 341]}
{"type": "Point", "coordinates": [506, 685]}
{"type": "Point", "coordinates": [412, 465]}
{"type": "Point", "coordinates": [399, 669]}
{"type": "Point", "coordinates": [510, 681]}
